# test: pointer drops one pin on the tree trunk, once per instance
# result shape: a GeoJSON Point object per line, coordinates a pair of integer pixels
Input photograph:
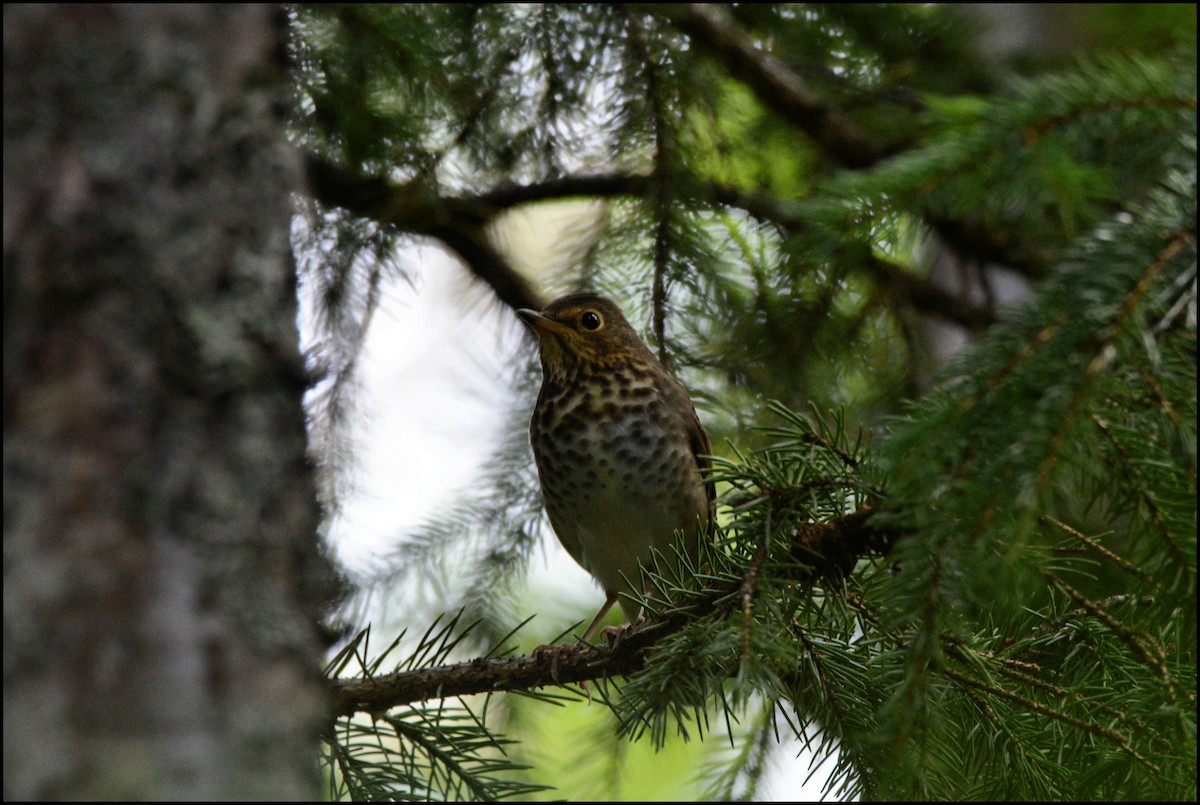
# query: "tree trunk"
{"type": "Point", "coordinates": [162, 573]}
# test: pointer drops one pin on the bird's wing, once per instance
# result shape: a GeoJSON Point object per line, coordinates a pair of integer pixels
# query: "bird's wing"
{"type": "Point", "coordinates": [568, 539]}
{"type": "Point", "coordinates": [701, 449]}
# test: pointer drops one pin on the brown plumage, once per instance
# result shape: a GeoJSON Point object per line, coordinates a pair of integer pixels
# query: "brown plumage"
{"type": "Point", "coordinates": [619, 448]}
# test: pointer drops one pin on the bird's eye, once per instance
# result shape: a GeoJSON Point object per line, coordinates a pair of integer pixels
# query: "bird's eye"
{"type": "Point", "coordinates": [591, 320]}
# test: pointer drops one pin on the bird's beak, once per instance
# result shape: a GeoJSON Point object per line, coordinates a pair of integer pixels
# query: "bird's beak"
{"type": "Point", "coordinates": [540, 324]}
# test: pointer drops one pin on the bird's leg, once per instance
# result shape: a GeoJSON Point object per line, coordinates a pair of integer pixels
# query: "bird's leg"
{"type": "Point", "coordinates": [608, 602]}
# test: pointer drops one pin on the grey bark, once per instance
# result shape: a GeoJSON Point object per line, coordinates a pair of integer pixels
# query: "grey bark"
{"type": "Point", "coordinates": [163, 577]}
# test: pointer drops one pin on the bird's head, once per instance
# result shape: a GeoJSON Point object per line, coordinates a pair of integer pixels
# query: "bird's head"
{"type": "Point", "coordinates": [582, 333]}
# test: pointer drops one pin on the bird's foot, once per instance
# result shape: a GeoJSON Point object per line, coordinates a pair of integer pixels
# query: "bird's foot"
{"type": "Point", "coordinates": [555, 653]}
{"type": "Point", "coordinates": [616, 633]}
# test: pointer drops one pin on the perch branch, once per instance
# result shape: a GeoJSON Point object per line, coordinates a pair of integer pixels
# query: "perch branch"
{"type": "Point", "coordinates": [828, 549]}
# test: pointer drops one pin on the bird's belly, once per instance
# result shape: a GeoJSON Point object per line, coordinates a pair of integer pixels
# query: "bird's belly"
{"type": "Point", "coordinates": [628, 489]}
{"type": "Point", "coordinates": [614, 529]}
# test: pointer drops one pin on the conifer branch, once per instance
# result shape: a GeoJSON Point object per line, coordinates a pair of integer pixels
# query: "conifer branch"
{"type": "Point", "coordinates": [749, 586]}
{"type": "Point", "coordinates": [1156, 515]}
{"type": "Point", "coordinates": [417, 208]}
{"type": "Point", "coordinates": [664, 145]}
{"type": "Point", "coordinates": [1016, 671]}
{"type": "Point", "coordinates": [1141, 645]}
{"type": "Point", "coordinates": [1114, 737]}
{"type": "Point", "coordinates": [1023, 672]}
{"type": "Point", "coordinates": [780, 89]}
{"type": "Point", "coordinates": [827, 549]}
{"type": "Point", "coordinates": [1105, 353]}
{"type": "Point", "coordinates": [460, 222]}
{"type": "Point", "coordinates": [775, 85]}
{"type": "Point", "coordinates": [1119, 561]}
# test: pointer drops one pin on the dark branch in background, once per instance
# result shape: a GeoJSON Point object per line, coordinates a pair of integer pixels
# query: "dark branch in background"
{"type": "Point", "coordinates": [992, 244]}
{"type": "Point", "coordinates": [461, 224]}
{"type": "Point", "coordinates": [826, 549]}
{"type": "Point", "coordinates": [926, 297]}
{"type": "Point", "coordinates": [662, 179]}
{"type": "Point", "coordinates": [416, 208]}
{"type": "Point", "coordinates": [778, 88]}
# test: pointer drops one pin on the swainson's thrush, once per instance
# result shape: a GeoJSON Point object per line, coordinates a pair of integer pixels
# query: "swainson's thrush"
{"type": "Point", "coordinates": [618, 446]}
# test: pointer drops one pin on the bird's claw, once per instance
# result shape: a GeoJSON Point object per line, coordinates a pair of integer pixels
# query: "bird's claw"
{"type": "Point", "coordinates": [614, 634]}
{"type": "Point", "coordinates": [555, 652]}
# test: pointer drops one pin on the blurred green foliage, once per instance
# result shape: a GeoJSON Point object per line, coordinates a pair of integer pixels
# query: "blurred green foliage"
{"type": "Point", "coordinates": [973, 268]}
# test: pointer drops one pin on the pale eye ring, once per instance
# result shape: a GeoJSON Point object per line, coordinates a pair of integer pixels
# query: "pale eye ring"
{"type": "Point", "coordinates": [591, 320]}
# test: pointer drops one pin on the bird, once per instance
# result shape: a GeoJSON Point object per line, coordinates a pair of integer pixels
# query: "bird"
{"type": "Point", "coordinates": [621, 455]}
